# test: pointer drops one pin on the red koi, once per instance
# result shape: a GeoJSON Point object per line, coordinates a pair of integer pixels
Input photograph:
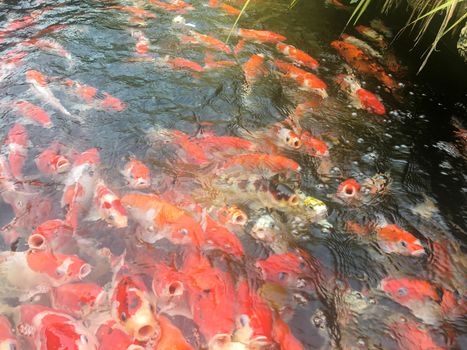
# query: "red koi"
{"type": "Point", "coordinates": [50, 235]}
{"type": "Point", "coordinates": [254, 68]}
{"type": "Point", "coordinates": [284, 337]}
{"type": "Point", "coordinates": [33, 113]}
{"type": "Point", "coordinates": [210, 42]}
{"type": "Point", "coordinates": [349, 190]}
{"type": "Point", "coordinates": [183, 63]}
{"type": "Point", "coordinates": [171, 337]}
{"type": "Point", "coordinates": [51, 162]}
{"type": "Point", "coordinates": [135, 11]}
{"type": "Point", "coordinates": [261, 36]}
{"type": "Point", "coordinates": [258, 160]}
{"type": "Point", "coordinates": [221, 238]}
{"type": "Point", "coordinates": [78, 299]}
{"type": "Point", "coordinates": [137, 174]}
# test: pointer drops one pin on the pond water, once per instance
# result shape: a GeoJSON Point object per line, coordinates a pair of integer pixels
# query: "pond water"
{"type": "Point", "coordinates": [324, 222]}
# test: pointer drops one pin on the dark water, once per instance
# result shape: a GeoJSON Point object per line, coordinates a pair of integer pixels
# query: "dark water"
{"type": "Point", "coordinates": [414, 144]}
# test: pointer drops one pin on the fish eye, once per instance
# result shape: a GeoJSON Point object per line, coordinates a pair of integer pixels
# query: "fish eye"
{"type": "Point", "coordinates": [111, 217]}
{"type": "Point", "coordinates": [183, 231]}
{"type": "Point", "coordinates": [282, 276]}
{"type": "Point", "coordinates": [403, 243]}
{"type": "Point", "coordinates": [402, 291]}
{"type": "Point", "coordinates": [123, 316]}
{"type": "Point", "coordinates": [287, 139]}
{"type": "Point", "coordinates": [243, 320]}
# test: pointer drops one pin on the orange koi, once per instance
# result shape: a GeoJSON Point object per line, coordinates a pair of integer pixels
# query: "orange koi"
{"type": "Point", "coordinates": [297, 55]}
{"type": "Point", "coordinates": [362, 63]}
{"type": "Point", "coordinates": [51, 162]}
{"type": "Point", "coordinates": [274, 163]}
{"type": "Point", "coordinates": [220, 237]}
{"type": "Point", "coordinates": [261, 36]}
{"type": "Point", "coordinates": [176, 5]}
{"type": "Point", "coordinates": [410, 335]}
{"type": "Point", "coordinates": [33, 113]}
{"type": "Point", "coordinates": [142, 43]}
{"type": "Point", "coordinates": [254, 68]}
{"type": "Point", "coordinates": [171, 337]}
{"type": "Point", "coordinates": [210, 143]}
{"type": "Point", "coordinates": [232, 215]}
{"type": "Point", "coordinates": [284, 337]}
{"type": "Point", "coordinates": [209, 42]}
{"type": "Point", "coordinates": [349, 190]}
{"type": "Point", "coordinates": [111, 337]}
{"type": "Point", "coordinates": [49, 46]}
{"type": "Point", "coordinates": [313, 146]}
{"type": "Point", "coordinates": [210, 63]}
{"type": "Point", "coordinates": [230, 10]}
{"type": "Point", "coordinates": [50, 235]}
{"type": "Point", "coordinates": [392, 239]}
{"type": "Point", "coordinates": [183, 63]}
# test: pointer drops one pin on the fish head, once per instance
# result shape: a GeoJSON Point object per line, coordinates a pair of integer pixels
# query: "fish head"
{"type": "Point", "coordinates": [134, 309]}
{"type": "Point", "coordinates": [348, 190]}
{"type": "Point", "coordinates": [60, 164]}
{"type": "Point", "coordinates": [265, 229]}
{"type": "Point", "coordinates": [232, 215]}
{"type": "Point", "coordinates": [111, 337]}
{"type": "Point", "coordinates": [114, 213]}
{"type": "Point", "coordinates": [406, 290]}
{"type": "Point", "coordinates": [78, 299]}
{"type": "Point", "coordinates": [289, 138]}
{"type": "Point", "coordinates": [393, 239]}
{"type": "Point", "coordinates": [36, 76]}
{"type": "Point", "coordinates": [370, 102]}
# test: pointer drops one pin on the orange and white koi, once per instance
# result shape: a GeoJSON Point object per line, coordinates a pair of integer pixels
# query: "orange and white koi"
{"type": "Point", "coordinates": [360, 98]}
{"type": "Point", "coordinates": [17, 143]}
{"type": "Point", "coordinates": [142, 42]}
{"type": "Point", "coordinates": [394, 240]}
{"type": "Point", "coordinates": [50, 46]}
{"type": "Point", "coordinates": [137, 174]}
{"type": "Point", "coordinates": [307, 81]}
{"type": "Point", "coordinates": [33, 113]}
{"type": "Point", "coordinates": [79, 185]}
{"type": "Point", "coordinates": [160, 219]}
{"type": "Point", "coordinates": [108, 207]}
{"type": "Point", "coordinates": [361, 45]}
{"type": "Point", "coordinates": [39, 82]}
{"type": "Point", "coordinates": [297, 55]}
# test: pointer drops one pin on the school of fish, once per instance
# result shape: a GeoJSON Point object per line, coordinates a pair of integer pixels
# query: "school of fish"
{"type": "Point", "coordinates": [139, 259]}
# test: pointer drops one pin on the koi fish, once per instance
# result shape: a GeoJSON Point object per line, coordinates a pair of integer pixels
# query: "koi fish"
{"type": "Point", "coordinates": [210, 63]}
{"type": "Point", "coordinates": [284, 337]}
{"type": "Point", "coordinates": [190, 151]}
{"type": "Point", "coordinates": [224, 144]}
{"type": "Point", "coordinates": [133, 308]}
{"type": "Point", "coordinates": [274, 163]}
{"type": "Point", "coordinates": [220, 237]}
{"type": "Point", "coordinates": [142, 42]}
{"type": "Point", "coordinates": [260, 36]}
{"type": "Point", "coordinates": [372, 35]}
{"type": "Point", "coordinates": [160, 219]}
{"type": "Point", "coordinates": [362, 63]}
{"type": "Point", "coordinates": [290, 270]}
{"type": "Point", "coordinates": [108, 207]}
{"type": "Point", "coordinates": [379, 25]}
{"type": "Point", "coordinates": [51, 162]}
{"type": "Point", "coordinates": [137, 174]}
{"type": "Point", "coordinates": [313, 146]}
{"type": "Point", "coordinates": [297, 55]}
{"type": "Point", "coordinates": [18, 24]}
{"type": "Point", "coordinates": [361, 45]}
{"type": "Point", "coordinates": [254, 68]}
{"type": "Point", "coordinates": [53, 329]}
{"type": "Point", "coordinates": [50, 235]}
{"type": "Point", "coordinates": [17, 143]}
{"type": "Point", "coordinates": [207, 41]}
{"type": "Point", "coordinates": [361, 98]}
{"type": "Point", "coordinates": [100, 99]}
{"type": "Point", "coordinates": [182, 63]}
{"type": "Point", "coordinates": [49, 46]}
{"type": "Point", "coordinates": [7, 338]}
{"type": "Point", "coordinates": [254, 318]}
{"type": "Point", "coordinates": [135, 11]}
{"type": "Point", "coordinates": [210, 293]}
{"type": "Point", "coordinates": [410, 334]}
{"type": "Point", "coordinates": [49, 29]}
{"type": "Point", "coordinates": [10, 62]}
{"type": "Point", "coordinates": [33, 113]}
{"type": "Point", "coordinates": [307, 81]}
{"type": "Point", "coordinates": [39, 82]}
{"type": "Point", "coordinates": [421, 297]}
{"type": "Point", "coordinates": [171, 337]}
{"type": "Point", "coordinates": [230, 10]}
{"type": "Point", "coordinates": [392, 239]}
{"type": "Point", "coordinates": [175, 6]}
{"type": "Point", "coordinates": [111, 337]}
{"type": "Point", "coordinates": [79, 185]}
{"type": "Point", "coordinates": [78, 299]}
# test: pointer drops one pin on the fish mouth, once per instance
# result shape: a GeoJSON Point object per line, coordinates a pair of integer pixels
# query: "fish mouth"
{"type": "Point", "coordinates": [349, 191]}
{"type": "Point", "coordinates": [84, 271]}
{"type": "Point", "coordinates": [239, 219]}
{"type": "Point", "coordinates": [418, 253]}
{"type": "Point", "coordinates": [220, 341]}
{"type": "Point", "coordinates": [135, 347]}
{"type": "Point", "coordinates": [37, 241]}
{"type": "Point", "coordinates": [62, 165]}
{"type": "Point", "coordinates": [145, 332]}
{"type": "Point", "coordinates": [175, 288]}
